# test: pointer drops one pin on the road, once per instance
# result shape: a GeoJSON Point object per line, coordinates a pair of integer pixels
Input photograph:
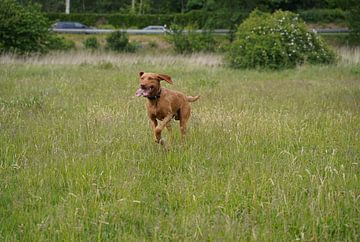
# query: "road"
{"type": "Point", "coordinates": [142, 31]}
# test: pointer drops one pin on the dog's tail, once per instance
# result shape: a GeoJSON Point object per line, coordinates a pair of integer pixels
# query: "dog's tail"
{"type": "Point", "coordinates": [192, 99]}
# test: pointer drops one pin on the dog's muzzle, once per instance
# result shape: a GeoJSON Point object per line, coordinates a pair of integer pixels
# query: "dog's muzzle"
{"type": "Point", "coordinates": [141, 92]}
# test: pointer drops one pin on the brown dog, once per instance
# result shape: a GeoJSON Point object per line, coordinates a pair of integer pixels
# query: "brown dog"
{"type": "Point", "coordinates": [164, 104]}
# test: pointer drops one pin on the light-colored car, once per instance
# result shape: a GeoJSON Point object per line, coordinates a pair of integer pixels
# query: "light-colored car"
{"type": "Point", "coordinates": [156, 28]}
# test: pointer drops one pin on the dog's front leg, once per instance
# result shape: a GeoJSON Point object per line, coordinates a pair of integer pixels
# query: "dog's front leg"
{"type": "Point", "coordinates": [160, 127]}
{"type": "Point", "coordinates": [154, 124]}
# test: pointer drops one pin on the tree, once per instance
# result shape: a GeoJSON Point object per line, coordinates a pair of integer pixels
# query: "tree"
{"type": "Point", "coordinates": [23, 29]}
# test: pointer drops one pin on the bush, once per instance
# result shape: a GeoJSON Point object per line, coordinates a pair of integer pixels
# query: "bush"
{"type": "Point", "coordinates": [91, 43]}
{"type": "Point", "coordinates": [179, 40]}
{"type": "Point", "coordinates": [60, 43]}
{"type": "Point", "coordinates": [278, 40]}
{"type": "Point", "coordinates": [119, 41]}
{"type": "Point", "coordinates": [24, 29]}
{"type": "Point", "coordinates": [191, 41]}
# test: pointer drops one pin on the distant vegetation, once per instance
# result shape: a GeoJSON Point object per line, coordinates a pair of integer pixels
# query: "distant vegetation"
{"type": "Point", "coordinates": [199, 13]}
{"type": "Point", "coordinates": [142, 7]}
{"type": "Point", "coordinates": [279, 40]}
{"type": "Point", "coordinates": [25, 29]}
{"type": "Point", "coordinates": [119, 42]}
{"type": "Point", "coordinates": [192, 42]}
{"type": "Point", "coordinates": [91, 43]}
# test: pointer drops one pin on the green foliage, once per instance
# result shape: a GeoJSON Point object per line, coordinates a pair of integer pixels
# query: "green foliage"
{"type": "Point", "coordinates": [119, 41]}
{"type": "Point", "coordinates": [105, 26]}
{"type": "Point", "coordinates": [354, 23]}
{"type": "Point", "coordinates": [201, 18]}
{"type": "Point", "coordinates": [60, 43]}
{"type": "Point", "coordinates": [24, 29]}
{"type": "Point", "coordinates": [278, 40]}
{"type": "Point", "coordinates": [198, 18]}
{"type": "Point", "coordinates": [179, 40]}
{"type": "Point", "coordinates": [195, 4]}
{"type": "Point", "coordinates": [91, 43]}
{"type": "Point", "coordinates": [190, 41]}
{"type": "Point", "coordinates": [176, 6]}
{"type": "Point", "coordinates": [323, 15]}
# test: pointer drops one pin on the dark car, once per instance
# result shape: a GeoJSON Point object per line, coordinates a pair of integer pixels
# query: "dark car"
{"type": "Point", "coordinates": [69, 25]}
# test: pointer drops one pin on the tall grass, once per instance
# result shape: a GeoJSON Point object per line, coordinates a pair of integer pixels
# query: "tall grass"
{"type": "Point", "coordinates": [268, 156]}
{"type": "Point", "coordinates": [349, 55]}
{"type": "Point", "coordinates": [83, 58]}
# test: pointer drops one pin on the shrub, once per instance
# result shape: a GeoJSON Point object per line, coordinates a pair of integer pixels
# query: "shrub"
{"type": "Point", "coordinates": [179, 40]}
{"type": "Point", "coordinates": [189, 41]}
{"type": "Point", "coordinates": [24, 29]}
{"type": "Point", "coordinates": [278, 40]}
{"type": "Point", "coordinates": [91, 43]}
{"type": "Point", "coordinates": [203, 42]}
{"type": "Point", "coordinates": [119, 41]}
{"type": "Point", "coordinates": [60, 43]}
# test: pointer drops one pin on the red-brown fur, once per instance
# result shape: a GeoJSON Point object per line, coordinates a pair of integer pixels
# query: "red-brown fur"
{"type": "Point", "coordinates": [164, 104]}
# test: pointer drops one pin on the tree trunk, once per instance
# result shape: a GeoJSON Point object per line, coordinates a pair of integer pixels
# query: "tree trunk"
{"type": "Point", "coordinates": [67, 6]}
{"type": "Point", "coordinates": [133, 6]}
{"type": "Point", "coordinates": [140, 7]}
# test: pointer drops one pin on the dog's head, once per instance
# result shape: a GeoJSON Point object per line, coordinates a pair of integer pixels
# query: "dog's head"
{"type": "Point", "coordinates": [150, 84]}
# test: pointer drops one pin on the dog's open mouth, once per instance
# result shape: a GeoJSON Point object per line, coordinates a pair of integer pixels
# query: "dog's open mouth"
{"type": "Point", "coordinates": [141, 92]}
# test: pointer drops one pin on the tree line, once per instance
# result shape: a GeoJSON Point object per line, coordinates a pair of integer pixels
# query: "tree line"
{"type": "Point", "coordinates": [182, 6]}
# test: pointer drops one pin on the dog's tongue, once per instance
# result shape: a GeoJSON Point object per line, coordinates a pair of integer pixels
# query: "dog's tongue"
{"type": "Point", "coordinates": [139, 92]}
{"type": "Point", "coordinates": [142, 92]}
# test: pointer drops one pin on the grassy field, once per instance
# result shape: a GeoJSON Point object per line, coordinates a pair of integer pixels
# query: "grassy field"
{"type": "Point", "coordinates": [269, 156]}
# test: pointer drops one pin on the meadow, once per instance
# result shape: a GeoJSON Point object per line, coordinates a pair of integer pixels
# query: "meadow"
{"type": "Point", "coordinates": [269, 155]}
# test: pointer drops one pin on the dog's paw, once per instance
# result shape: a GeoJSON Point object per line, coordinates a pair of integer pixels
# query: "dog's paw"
{"type": "Point", "coordinates": [162, 142]}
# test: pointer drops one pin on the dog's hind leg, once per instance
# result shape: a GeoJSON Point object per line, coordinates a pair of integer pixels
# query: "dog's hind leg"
{"type": "Point", "coordinates": [184, 117]}
{"type": "Point", "coordinates": [171, 134]}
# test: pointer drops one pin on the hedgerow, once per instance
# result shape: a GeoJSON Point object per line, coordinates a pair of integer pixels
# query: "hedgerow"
{"type": "Point", "coordinates": [324, 15]}
{"type": "Point", "coordinates": [200, 19]}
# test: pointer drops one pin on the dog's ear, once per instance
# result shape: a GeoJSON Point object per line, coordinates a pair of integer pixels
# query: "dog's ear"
{"type": "Point", "coordinates": [165, 78]}
{"type": "Point", "coordinates": [141, 73]}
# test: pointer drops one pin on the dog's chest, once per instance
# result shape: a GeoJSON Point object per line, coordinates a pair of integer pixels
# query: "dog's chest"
{"type": "Point", "coordinates": [158, 110]}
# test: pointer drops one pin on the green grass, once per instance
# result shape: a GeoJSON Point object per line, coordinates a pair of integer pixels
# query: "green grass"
{"type": "Point", "coordinates": [269, 156]}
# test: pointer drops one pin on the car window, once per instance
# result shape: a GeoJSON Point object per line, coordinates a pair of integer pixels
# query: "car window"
{"type": "Point", "coordinates": [68, 25]}
{"type": "Point", "coordinates": [155, 28]}
{"type": "Point", "coordinates": [78, 25]}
